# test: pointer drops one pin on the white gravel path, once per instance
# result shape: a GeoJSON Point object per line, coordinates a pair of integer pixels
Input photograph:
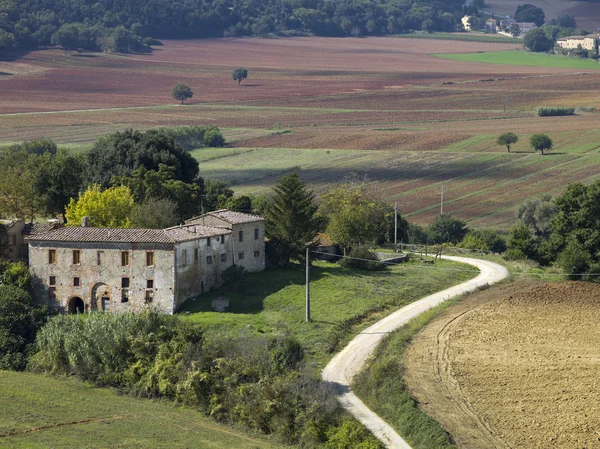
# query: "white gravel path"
{"type": "Point", "coordinates": [350, 360]}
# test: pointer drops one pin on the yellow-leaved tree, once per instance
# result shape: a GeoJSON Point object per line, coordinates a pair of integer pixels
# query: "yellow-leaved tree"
{"type": "Point", "coordinates": [110, 208]}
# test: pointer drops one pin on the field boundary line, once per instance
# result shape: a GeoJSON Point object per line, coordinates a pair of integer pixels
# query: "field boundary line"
{"type": "Point", "coordinates": [349, 361]}
{"type": "Point", "coordinates": [13, 433]}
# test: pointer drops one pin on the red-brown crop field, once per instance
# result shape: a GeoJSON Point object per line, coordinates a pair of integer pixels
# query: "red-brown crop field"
{"type": "Point", "coordinates": [383, 107]}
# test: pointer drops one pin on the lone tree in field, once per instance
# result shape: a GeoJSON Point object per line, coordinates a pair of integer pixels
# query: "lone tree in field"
{"type": "Point", "coordinates": [239, 75]}
{"type": "Point", "coordinates": [181, 92]}
{"type": "Point", "coordinates": [507, 139]}
{"type": "Point", "coordinates": [540, 142]}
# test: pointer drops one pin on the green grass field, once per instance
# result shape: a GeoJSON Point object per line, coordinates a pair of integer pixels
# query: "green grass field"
{"type": "Point", "coordinates": [46, 412]}
{"type": "Point", "coordinates": [522, 58]}
{"type": "Point", "coordinates": [467, 37]}
{"type": "Point", "coordinates": [343, 301]}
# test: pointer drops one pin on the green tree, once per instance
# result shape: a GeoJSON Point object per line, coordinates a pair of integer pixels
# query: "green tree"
{"type": "Point", "coordinates": [537, 214]}
{"type": "Point", "coordinates": [57, 179]}
{"type": "Point", "coordinates": [357, 216]}
{"type": "Point", "coordinates": [536, 40]}
{"type": "Point", "coordinates": [530, 13]}
{"type": "Point", "coordinates": [15, 274]}
{"type": "Point", "coordinates": [521, 244]}
{"type": "Point", "coordinates": [239, 74]}
{"type": "Point", "coordinates": [155, 213]}
{"type": "Point", "coordinates": [181, 92]}
{"type": "Point", "coordinates": [110, 208]}
{"type": "Point", "coordinates": [163, 184]}
{"type": "Point", "coordinates": [216, 194]}
{"type": "Point", "coordinates": [292, 216]}
{"type": "Point", "coordinates": [507, 139]}
{"type": "Point", "coordinates": [18, 196]}
{"type": "Point", "coordinates": [121, 153]}
{"type": "Point", "coordinates": [213, 138]}
{"type": "Point", "coordinates": [514, 29]}
{"type": "Point", "coordinates": [577, 220]}
{"type": "Point", "coordinates": [67, 37]}
{"type": "Point", "coordinates": [446, 229]}
{"type": "Point", "coordinates": [19, 322]}
{"type": "Point", "coordinates": [574, 259]}
{"type": "Point", "coordinates": [540, 142]}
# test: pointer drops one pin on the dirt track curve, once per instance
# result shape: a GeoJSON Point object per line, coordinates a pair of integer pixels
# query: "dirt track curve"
{"type": "Point", "coordinates": [350, 360]}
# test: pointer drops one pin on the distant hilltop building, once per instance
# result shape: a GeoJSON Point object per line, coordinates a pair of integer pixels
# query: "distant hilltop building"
{"type": "Point", "coordinates": [589, 43]}
{"type": "Point", "coordinates": [82, 269]}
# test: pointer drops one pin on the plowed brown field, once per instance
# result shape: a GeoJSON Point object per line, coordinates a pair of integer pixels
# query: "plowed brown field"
{"type": "Point", "coordinates": [411, 121]}
{"type": "Point", "coordinates": [515, 366]}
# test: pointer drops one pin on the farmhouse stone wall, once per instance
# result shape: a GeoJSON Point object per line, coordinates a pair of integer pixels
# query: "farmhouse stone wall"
{"type": "Point", "coordinates": [194, 276]}
{"type": "Point", "coordinates": [100, 276]}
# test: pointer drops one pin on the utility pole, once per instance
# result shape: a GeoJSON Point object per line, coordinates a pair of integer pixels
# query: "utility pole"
{"type": "Point", "coordinates": [307, 284]}
{"type": "Point", "coordinates": [442, 202]}
{"type": "Point", "coordinates": [395, 223]}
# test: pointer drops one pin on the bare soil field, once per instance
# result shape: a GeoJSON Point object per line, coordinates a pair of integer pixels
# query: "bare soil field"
{"type": "Point", "coordinates": [514, 366]}
{"type": "Point", "coordinates": [382, 107]}
{"type": "Point", "coordinates": [587, 14]}
{"type": "Point", "coordinates": [277, 67]}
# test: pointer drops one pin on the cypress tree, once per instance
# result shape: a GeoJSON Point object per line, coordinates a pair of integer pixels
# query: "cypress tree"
{"type": "Point", "coordinates": [292, 222]}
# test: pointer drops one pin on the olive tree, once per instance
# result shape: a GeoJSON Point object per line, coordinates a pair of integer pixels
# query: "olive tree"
{"type": "Point", "coordinates": [507, 139]}
{"type": "Point", "coordinates": [540, 142]}
{"type": "Point", "coordinates": [239, 75]}
{"type": "Point", "coordinates": [182, 92]}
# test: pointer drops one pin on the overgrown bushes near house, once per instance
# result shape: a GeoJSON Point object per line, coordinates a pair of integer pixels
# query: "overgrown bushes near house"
{"type": "Point", "coordinates": [552, 111]}
{"type": "Point", "coordinates": [260, 382]}
{"type": "Point", "coordinates": [19, 318]}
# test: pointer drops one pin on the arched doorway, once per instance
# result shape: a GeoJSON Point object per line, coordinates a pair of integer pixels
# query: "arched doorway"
{"type": "Point", "coordinates": [76, 305]}
{"type": "Point", "coordinates": [101, 297]}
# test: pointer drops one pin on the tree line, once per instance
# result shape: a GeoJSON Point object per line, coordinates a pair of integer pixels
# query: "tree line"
{"type": "Point", "coordinates": [129, 25]}
{"type": "Point", "coordinates": [39, 179]}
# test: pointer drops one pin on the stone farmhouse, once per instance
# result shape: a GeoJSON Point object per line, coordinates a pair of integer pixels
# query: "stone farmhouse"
{"type": "Point", "coordinates": [13, 234]}
{"type": "Point", "coordinates": [491, 25]}
{"type": "Point", "coordinates": [83, 269]}
{"type": "Point", "coordinates": [589, 43]}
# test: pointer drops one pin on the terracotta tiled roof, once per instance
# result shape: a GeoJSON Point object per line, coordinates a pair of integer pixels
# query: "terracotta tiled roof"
{"type": "Point", "coordinates": [118, 235]}
{"type": "Point", "coordinates": [114, 235]}
{"type": "Point", "coordinates": [324, 240]}
{"type": "Point", "coordinates": [576, 37]}
{"type": "Point", "coordinates": [192, 232]}
{"type": "Point", "coordinates": [36, 228]}
{"type": "Point", "coordinates": [229, 216]}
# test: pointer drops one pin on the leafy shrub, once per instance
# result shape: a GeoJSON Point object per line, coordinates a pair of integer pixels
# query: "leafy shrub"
{"type": "Point", "coordinates": [19, 322]}
{"type": "Point", "coordinates": [521, 243]}
{"type": "Point", "coordinates": [351, 435]}
{"type": "Point", "coordinates": [189, 137]}
{"type": "Point", "coordinates": [232, 275]}
{"type": "Point", "coordinates": [362, 258]}
{"type": "Point", "coordinates": [574, 259]}
{"type": "Point", "coordinates": [260, 382]}
{"type": "Point", "coordinates": [446, 229]}
{"type": "Point", "coordinates": [213, 138]}
{"type": "Point", "coordinates": [484, 240]}
{"type": "Point", "coordinates": [550, 111]}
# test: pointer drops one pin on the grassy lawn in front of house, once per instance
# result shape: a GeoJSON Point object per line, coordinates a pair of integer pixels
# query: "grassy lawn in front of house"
{"type": "Point", "coordinates": [343, 301]}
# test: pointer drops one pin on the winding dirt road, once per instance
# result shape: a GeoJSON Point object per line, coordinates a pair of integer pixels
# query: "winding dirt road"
{"type": "Point", "coordinates": [350, 360]}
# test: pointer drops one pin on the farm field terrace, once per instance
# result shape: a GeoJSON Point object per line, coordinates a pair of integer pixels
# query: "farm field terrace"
{"type": "Point", "coordinates": [385, 107]}
{"type": "Point", "coordinates": [42, 411]}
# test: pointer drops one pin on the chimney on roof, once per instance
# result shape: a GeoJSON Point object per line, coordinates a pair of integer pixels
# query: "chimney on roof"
{"type": "Point", "coordinates": [84, 222]}
{"type": "Point", "coordinates": [55, 222]}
